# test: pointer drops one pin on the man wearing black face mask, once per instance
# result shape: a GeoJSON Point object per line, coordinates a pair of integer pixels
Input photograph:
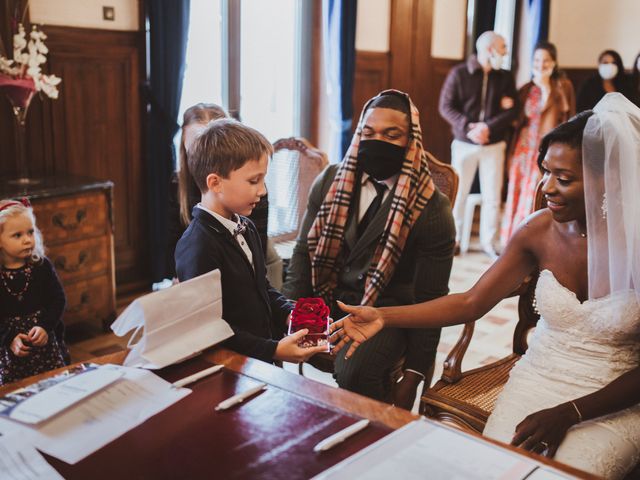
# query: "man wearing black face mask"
{"type": "Point", "coordinates": [377, 232]}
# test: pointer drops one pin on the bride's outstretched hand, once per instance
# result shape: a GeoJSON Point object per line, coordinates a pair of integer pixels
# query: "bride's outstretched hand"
{"type": "Point", "coordinates": [361, 324]}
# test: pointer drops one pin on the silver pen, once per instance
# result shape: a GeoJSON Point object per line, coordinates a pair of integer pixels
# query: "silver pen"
{"type": "Point", "coordinates": [241, 397]}
{"type": "Point", "coordinates": [197, 376]}
{"type": "Point", "coordinates": [341, 436]}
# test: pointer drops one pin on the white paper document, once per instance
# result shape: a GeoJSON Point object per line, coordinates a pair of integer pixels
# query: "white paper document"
{"type": "Point", "coordinates": [424, 450]}
{"type": "Point", "coordinates": [177, 322]}
{"type": "Point", "coordinates": [42, 400]}
{"type": "Point", "coordinates": [19, 460]}
{"type": "Point", "coordinates": [100, 419]}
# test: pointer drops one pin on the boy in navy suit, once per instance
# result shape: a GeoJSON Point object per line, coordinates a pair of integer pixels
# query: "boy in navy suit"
{"type": "Point", "coordinates": [228, 163]}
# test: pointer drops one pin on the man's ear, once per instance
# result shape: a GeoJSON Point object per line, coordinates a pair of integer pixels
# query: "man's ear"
{"type": "Point", "coordinates": [214, 182]}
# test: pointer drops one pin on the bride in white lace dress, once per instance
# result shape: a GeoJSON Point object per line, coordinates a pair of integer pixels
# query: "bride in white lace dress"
{"type": "Point", "coordinates": [575, 394]}
{"type": "Point", "coordinates": [575, 350]}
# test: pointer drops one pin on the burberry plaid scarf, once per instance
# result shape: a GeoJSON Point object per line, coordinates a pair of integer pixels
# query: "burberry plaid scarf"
{"type": "Point", "coordinates": [413, 190]}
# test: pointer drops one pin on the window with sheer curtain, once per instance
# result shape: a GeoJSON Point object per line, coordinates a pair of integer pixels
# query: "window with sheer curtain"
{"type": "Point", "coordinates": [246, 56]}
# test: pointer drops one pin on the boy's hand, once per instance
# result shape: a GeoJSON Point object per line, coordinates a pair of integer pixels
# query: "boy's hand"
{"type": "Point", "coordinates": [20, 345]}
{"type": "Point", "coordinates": [38, 336]}
{"type": "Point", "coordinates": [289, 351]}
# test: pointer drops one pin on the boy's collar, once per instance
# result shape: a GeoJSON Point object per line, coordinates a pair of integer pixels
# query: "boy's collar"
{"type": "Point", "coordinates": [228, 224]}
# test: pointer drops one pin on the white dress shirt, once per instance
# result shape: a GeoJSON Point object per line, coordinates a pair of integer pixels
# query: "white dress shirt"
{"type": "Point", "coordinates": [231, 226]}
{"type": "Point", "coordinates": [368, 192]}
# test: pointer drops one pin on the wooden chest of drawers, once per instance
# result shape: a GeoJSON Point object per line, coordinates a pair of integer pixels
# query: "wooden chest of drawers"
{"type": "Point", "coordinates": [74, 215]}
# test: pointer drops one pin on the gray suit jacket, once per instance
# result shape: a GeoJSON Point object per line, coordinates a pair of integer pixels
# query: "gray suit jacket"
{"type": "Point", "coordinates": [421, 274]}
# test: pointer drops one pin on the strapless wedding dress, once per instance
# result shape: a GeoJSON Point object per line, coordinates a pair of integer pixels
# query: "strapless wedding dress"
{"type": "Point", "coordinates": [576, 349]}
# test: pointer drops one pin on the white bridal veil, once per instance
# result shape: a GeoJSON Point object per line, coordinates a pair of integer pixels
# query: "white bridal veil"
{"type": "Point", "coordinates": [611, 166]}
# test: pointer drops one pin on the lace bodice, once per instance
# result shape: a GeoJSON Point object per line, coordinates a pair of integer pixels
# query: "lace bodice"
{"type": "Point", "coordinates": [580, 338]}
{"type": "Point", "coordinates": [612, 318]}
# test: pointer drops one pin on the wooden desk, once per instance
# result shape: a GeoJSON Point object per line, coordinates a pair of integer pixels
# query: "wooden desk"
{"type": "Point", "coordinates": [271, 436]}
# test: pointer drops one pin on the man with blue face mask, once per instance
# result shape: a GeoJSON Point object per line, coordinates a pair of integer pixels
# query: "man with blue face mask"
{"type": "Point", "coordinates": [378, 232]}
{"type": "Point", "coordinates": [479, 100]}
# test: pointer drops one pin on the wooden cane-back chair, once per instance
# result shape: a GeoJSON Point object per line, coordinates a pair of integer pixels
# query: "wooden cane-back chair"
{"type": "Point", "coordinates": [444, 176]}
{"type": "Point", "coordinates": [446, 179]}
{"type": "Point", "coordinates": [294, 166]}
{"type": "Point", "coordinates": [466, 399]}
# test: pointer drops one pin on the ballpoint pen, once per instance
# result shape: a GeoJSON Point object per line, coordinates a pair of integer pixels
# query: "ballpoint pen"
{"type": "Point", "coordinates": [241, 397]}
{"type": "Point", "coordinates": [341, 436]}
{"type": "Point", "coordinates": [197, 376]}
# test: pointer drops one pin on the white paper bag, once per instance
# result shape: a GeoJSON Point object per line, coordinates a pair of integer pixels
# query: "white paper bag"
{"type": "Point", "coordinates": [177, 322]}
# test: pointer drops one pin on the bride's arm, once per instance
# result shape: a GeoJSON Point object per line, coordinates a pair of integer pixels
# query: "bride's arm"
{"type": "Point", "coordinates": [548, 427]}
{"type": "Point", "coordinates": [502, 278]}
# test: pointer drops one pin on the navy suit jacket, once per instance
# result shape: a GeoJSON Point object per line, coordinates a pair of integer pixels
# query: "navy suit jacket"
{"type": "Point", "coordinates": [255, 310]}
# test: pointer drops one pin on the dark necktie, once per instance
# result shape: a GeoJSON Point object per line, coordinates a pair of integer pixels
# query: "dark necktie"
{"type": "Point", "coordinates": [373, 207]}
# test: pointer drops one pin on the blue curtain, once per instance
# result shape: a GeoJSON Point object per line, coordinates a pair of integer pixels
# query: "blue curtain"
{"type": "Point", "coordinates": [340, 55]}
{"type": "Point", "coordinates": [168, 32]}
{"type": "Point", "coordinates": [539, 17]}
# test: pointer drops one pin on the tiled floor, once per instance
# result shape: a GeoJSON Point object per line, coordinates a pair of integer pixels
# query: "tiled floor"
{"type": "Point", "coordinates": [492, 337]}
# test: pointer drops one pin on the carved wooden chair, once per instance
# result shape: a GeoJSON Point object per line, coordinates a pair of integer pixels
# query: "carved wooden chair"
{"type": "Point", "coordinates": [294, 166]}
{"type": "Point", "coordinates": [444, 176]}
{"type": "Point", "coordinates": [446, 179]}
{"type": "Point", "coordinates": [466, 399]}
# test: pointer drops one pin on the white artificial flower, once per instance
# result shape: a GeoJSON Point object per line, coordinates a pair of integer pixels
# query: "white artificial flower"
{"type": "Point", "coordinates": [52, 79]}
{"type": "Point", "coordinates": [27, 58]}
{"type": "Point", "coordinates": [5, 65]}
{"type": "Point", "coordinates": [34, 72]}
{"type": "Point", "coordinates": [48, 86]}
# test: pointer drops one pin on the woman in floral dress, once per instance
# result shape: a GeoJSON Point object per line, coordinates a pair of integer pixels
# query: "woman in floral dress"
{"type": "Point", "coordinates": [548, 100]}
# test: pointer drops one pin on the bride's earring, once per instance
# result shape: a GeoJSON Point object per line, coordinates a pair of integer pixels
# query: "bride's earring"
{"type": "Point", "coordinates": [603, 207]}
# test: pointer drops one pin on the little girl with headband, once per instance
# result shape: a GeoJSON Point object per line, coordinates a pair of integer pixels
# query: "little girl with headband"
{"type": "Point", "coordinates": [31, 298]}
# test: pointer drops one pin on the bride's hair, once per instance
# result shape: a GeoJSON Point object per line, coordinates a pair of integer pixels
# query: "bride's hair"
{"type": "Point", "coordinates": [568, 133]}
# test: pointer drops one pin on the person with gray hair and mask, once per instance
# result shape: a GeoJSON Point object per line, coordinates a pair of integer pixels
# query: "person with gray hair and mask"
{"type": "Point", "coordinates": [480, 101]}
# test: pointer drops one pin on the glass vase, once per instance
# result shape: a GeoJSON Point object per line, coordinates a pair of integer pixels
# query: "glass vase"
{"type": "Point", "coordinates": [19, 92]}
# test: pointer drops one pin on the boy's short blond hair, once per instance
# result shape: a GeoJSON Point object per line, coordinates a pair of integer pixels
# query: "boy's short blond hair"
{"type": "Point", "coordinates": [224, 146]}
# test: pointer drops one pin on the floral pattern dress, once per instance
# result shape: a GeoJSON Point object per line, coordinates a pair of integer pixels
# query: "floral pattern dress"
{"type": "Point", "coordinates": [524, 174]}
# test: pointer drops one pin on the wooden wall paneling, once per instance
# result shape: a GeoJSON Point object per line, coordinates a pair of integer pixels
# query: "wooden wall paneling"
{"type": "Point", "coordinates": [6, 11]}
{"type": "Point", "coordinates": [436, 130]}
{"type": "Point", "coordinates": [101, 128]}
{"type": "Point", "coordinates": [578, 75]}
{"type": "Point", "coordinates": [412, 69]}
{"type": "Point", "coordinates": [402, 44]}
{"type": "Point", "coordinates": [371, 76]}
{"type": "Point", "coordinates": [423, 89]}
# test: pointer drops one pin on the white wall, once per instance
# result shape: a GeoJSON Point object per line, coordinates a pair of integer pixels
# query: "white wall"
{"type": "Point", "coordinates": [581, 29]}
{"type": "Point", "coordinates": [448, 33]}
{"type": "Point", "coordinates": [85, 13]}
{"type": "Point", "coordinates": [372, 25]}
